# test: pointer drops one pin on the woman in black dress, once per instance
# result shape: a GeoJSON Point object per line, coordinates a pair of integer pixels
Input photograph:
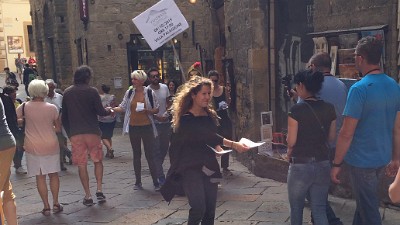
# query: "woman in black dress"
{"type": "Point", "coordinates": [195, 129]}
{"type": "Point", "coordinates": [221, 101]}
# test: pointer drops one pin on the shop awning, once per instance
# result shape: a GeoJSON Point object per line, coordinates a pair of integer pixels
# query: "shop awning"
{"type": "Point", "coordinates": [345, 31]}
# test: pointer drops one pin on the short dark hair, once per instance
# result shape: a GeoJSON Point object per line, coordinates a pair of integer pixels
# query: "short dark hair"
{"type": "Point", "coordinates": [6, 68]}
{"type": "Point", "coordinates": [152, 69]}
{"type": "Point", "coordinates": [321, 60]}
{"type": "Point", "coordinates": [311, 80]}
{"type": "Point", "coordinates": [105, 88]}
{"type": "Point", "coordinates": [9, 89]}
{"type": "Point", "coordinates": [83, 74]}
{"type": "Point", "coordinates": [213, 73]}
{"type": "Point", "coordinates": [370, 48]}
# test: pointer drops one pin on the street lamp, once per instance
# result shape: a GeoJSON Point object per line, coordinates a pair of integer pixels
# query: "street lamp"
{"type": "Point", "coordinates": [192, 1]}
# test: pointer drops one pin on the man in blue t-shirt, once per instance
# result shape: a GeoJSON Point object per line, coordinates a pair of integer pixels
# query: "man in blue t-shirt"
{"type": "Point", "coordinates": [371, 121]}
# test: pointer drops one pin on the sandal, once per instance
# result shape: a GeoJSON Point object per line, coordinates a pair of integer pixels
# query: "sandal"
{"type": "Point", "coordinates": [46, 212]}
{"type": "Point", "coordinates": [57, 208]}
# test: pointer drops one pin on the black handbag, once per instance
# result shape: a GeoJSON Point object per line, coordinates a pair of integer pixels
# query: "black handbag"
{"type": "Point", "coordinates": [171, 187]}
{"type": "Point", "coordinates": [173, 181]}
{"type": "Point", "coordinates": [324, 131]}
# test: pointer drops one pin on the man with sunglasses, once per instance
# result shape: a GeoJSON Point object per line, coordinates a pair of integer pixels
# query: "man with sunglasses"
{"type": "Point", "coordinates": [370, 136]}
{"type": "Point", "coordinates": [161, 120]}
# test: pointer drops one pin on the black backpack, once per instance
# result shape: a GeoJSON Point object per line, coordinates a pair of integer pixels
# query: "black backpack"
{"type": "Point", "coordinates": [149, 94]}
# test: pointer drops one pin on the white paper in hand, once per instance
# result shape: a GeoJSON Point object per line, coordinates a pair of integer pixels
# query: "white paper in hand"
{"type": "Point", "coordinates": [249, 143]}
{"type": "Point", "coordinates": [139, 106]}
{"type": "Point", "coordinates": [220, 152]}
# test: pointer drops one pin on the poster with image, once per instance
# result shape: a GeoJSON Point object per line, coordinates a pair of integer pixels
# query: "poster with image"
{"type": "Point", "coordinates": [15, 44]}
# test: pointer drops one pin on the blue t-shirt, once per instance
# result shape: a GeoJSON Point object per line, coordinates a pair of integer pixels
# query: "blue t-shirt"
{"type": "Point", "coordinates": [374, 101]}
{"type": "Point", "coordinates": [334, 91]}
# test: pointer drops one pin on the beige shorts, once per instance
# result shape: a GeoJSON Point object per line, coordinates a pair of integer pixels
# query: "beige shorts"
{"type": "Point", "coordinates": [84, 144]}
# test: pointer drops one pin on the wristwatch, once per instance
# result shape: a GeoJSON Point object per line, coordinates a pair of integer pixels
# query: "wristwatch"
{"type": "Point", "coordinates": [336, 165]}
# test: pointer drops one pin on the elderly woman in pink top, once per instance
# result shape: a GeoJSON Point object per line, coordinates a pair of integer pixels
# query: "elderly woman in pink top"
{"type": "Point", "coordinates": [41, 144]}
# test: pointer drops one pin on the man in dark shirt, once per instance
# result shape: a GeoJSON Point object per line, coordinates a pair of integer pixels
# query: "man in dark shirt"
{"type": "Point", "coordinates": [29, 75]}
{"type": "Point", "coordinates": [80, 107]}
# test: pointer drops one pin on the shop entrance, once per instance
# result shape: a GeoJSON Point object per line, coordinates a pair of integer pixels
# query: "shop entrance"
{"type": "Point", "coordinates": [141, 57]}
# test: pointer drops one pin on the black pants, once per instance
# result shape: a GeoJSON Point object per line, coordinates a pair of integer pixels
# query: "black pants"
{"type": "Point", "coordinates": [19, 153]}
{"type": "Point", "coordinates": [26, 88]}
{"type": "Point", "coordinates": [202, 196]}
{"type": "Point", "coordinates": [136, 135]}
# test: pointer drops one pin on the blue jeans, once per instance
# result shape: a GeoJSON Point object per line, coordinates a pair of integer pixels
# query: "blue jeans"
{"type": "Point", "coordinates": [365, 183]}
{"type": "Point", "coordinates": [161, 148]}
{"type": "Point", "coordinates": [312, 178]}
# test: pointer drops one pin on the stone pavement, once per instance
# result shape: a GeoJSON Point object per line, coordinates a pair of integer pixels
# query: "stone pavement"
{"type": "Point", "coordinates": [243, 199]}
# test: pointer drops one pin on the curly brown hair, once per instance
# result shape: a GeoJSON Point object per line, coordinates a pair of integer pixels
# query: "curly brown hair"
{"type": "Point", "coordinates": [183, 101]}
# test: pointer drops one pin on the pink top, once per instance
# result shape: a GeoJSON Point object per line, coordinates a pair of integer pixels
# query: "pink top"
{"type": "Point", "coordinates": [40, 136]}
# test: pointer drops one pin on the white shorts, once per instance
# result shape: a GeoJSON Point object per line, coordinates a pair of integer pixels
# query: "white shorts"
{"type": "Point", "coordinates": [47, 164]}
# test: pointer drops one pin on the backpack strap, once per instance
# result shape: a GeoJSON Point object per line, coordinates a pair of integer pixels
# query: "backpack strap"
{"type": "Point", "coordinates": [23, 115]}
{"type": "Point", "coordinates": [149, 94]}
{"type": "Point", "coordinates": [130, 93]}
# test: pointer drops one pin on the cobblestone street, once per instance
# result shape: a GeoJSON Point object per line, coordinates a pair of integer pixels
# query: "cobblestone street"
{"type": "Point", "coordinates": [244, 199]}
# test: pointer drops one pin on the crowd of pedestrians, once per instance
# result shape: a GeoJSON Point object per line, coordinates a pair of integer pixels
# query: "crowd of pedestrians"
{"type": "Point", "coordinates": [329, 127]}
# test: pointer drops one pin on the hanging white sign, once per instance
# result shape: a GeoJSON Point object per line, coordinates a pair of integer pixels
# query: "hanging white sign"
{"type": "Point", "coordinates": [160, 23]}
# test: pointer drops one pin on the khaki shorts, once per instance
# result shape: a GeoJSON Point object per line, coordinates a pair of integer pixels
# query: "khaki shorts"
{"type": "Point", "coordinates": [84, 144]}
{"type": "Point", "coordinates": [19, 70]}
{"type": "Point", "coordinates": [6, 158]}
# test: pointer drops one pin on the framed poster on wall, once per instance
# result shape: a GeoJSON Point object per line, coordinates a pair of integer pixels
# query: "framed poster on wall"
{"type": "Point", "coordinates": [266, 118]}
{"type": "Point", "coordinates": [15, 44]}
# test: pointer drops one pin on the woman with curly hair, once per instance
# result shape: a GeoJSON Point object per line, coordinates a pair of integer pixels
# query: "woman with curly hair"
{"type": "Point", "coordinates": [195, 131]}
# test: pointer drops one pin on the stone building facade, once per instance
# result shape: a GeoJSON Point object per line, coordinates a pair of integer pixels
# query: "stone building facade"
{"type": "Point", "coordinates": [232, 37]}
{"type": "Point", "coordinates": [255, 44]}
{"type": "Point", "coordinates": [334, 18]}
{"type": "Point", "coordinates": [15, 32]}
{"type": "Point", "coordinates": [109, 42]}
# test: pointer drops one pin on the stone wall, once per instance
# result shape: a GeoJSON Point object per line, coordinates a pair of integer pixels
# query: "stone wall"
{"type": "Point", "coordinates": [342, 14]}
{"type": "Point", "coordinates": [247, 44]}
{"type": "Point", "coordinates": [247, 35]}
{"type": "Point", "coordinates": [100, 46]}
{"type": "Point", "coordinates": [50, 25]}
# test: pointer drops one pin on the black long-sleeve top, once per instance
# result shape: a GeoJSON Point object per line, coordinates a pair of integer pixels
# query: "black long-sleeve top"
{"type": "Point", "coordinates": [189, 150]}
{"type": "Point", "coordinates": [11, 114]}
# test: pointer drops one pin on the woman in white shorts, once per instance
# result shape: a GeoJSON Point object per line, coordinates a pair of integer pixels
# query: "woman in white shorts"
{"type": "Point", "coordinates": [41, 145]}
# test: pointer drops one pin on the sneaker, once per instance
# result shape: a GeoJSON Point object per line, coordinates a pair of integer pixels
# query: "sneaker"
{"type": "Point", "coordinates": [88, 202]}
{"type": "Point", "coordinates": [100, 197]}
{"type": "Point", "coordinates": [20, 170]}
{"type": "Point", "coordinates": [138, 186]}
{"type": "Point", "coordinates": [157, 188]}
{"type": "Point", "coordinates": [161, 181]}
